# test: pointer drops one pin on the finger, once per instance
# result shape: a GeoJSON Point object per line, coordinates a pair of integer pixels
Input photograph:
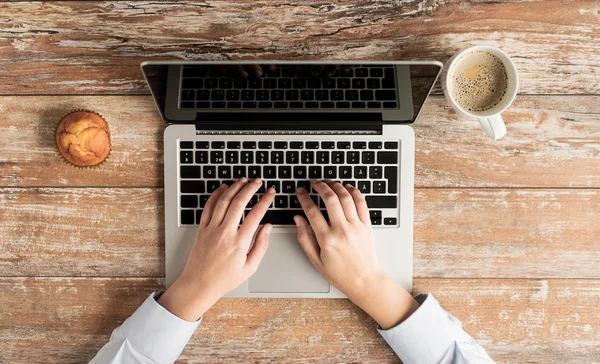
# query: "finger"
{"type": "Point", "coordinates": [361, 204]}
{"type": "Point", "coordinates": [346, 69]}
{"type": "Point", "coordinates": [346, 200]}
{"type": "Point", "coordinates": [258, 250]}
{"type": "Point", "coordinates": [314, 215]}
{"type": "Point", "coordinates": [235, 210]}
{"type": "Point", "coordinates": [308, 242]}
{"type": "Point", "coordinates": [332, 202]}
{"type": "Point", "coordinates": [222, 205]}
{"type": "Point", "coordinates": [239, 71]}
{"type": "Point", "coordinates": [210, 205]}
{"type": "Point", "coordinates": [254, 69]}
{"type": "Point", "coordinates": [330, 70]}
{"type": "Point", "coordinates": [258, 211]}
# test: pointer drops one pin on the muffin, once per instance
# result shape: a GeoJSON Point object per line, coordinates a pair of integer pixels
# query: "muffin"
{"type": "Point", "coordinates": [83, 139]}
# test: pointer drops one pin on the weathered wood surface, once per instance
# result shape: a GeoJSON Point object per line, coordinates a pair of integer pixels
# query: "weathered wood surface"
{"type": "Point", "coordinates": [66, 320]}
{"type": "Point", "coordinates": [458, 233]}
{"type": "Point", "coordinates": [95, 47]}
{"type": "Point", "coordinates": [552, 141]}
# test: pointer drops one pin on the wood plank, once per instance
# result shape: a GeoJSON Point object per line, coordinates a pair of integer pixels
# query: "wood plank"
{"type": "Point", "coordinates": [554, 43]}
{"type": "Point", "coordinates": [551, 142]}
{"type": "Point", "coordinates": [66, 320]}
{"type": "Point", "coordinates": [458, 233]}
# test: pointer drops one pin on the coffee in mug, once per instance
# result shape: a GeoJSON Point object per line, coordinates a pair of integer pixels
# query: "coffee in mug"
{"type": "Point", "coordinates": [481, 82]}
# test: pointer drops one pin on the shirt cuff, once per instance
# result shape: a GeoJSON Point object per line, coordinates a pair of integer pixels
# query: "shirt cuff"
{"type": "Point", "coordinates": [426, 335]}
{"type": "Point", "coordinates": [156, 332]}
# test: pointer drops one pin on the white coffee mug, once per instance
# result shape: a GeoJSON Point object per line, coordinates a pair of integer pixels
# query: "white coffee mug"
{"type": "Point", "coordinates": [490, 120]}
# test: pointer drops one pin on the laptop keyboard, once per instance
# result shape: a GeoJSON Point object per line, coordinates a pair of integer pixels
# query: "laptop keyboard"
{"type": "Point", "coordinates": [371, 166]}
{"type": "Point", "coordinates": [360, 87]}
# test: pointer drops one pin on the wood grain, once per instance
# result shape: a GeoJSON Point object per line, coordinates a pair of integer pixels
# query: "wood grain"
{"type": "Point", "coordinates": [66, 320]}
{"type": "Point", "coordinates": [555, 44]}
{"type": "Point", "coordinates": [458, 233]}
{"type": "Point", "coordinates": [551, 142]}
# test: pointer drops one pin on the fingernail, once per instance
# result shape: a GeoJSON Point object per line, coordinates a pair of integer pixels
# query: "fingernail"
{"type": "Point", "coordinates": [258, 73]}
{"type": "Point", "coordinates": [269, 229]}
{"type": "Point", "coordinates": [348, 185]}
{"type": "Point", "coordinates": [257, 180]}
{"type": "Point", "coordinates": [296, 221]}
{"type": "Point", "coordinates": [300, 190]}
{"type": "Point", "coordinates": [223, 185]}
{"type": "Point", "coordinates": [243, 179]}
{"type": "Point", "coordinates": [271, 190]}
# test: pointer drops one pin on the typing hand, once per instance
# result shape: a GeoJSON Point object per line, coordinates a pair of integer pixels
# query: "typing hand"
{"type": "Point", "coordinates": [220, 259]}
{"type": "Point", "coordinates": [344, 253]}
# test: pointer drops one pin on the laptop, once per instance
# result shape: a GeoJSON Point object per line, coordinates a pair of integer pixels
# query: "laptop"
{"type": "Point", "coordinates": [289, 123]}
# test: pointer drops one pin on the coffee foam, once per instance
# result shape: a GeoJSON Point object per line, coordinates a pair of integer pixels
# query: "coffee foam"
{"type": "Point", "coordinates": [479, 81]}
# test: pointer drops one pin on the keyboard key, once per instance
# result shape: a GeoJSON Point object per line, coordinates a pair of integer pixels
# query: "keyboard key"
{"type": "Point", "coordinates": [351, 95]}
{"type": "Point", "coordinates": [218, 105]}
{"type": "Point", "coordinates": [294, 203]}
{"type": "Point", "coordinates": [391, 174]}
{"type": "Point", "coordinates": [189, 172]}
{"type": "Point", "coordinates": [292, 95]}
{"type": "Point", "coordinates": [329, 172]}
{"type": "Point", "coordinates": [327, 145]}
{"type": "Point", "coordinates": [231, 157]}
{"type": "Point", "coordinates": [375, 172]}
{"type": "Point", "coordinates": [383, 95]}
{"type": "Point", "coordinates": [358, 105]}
{"type": "Point", "coordinates": [249, 145]}
{"type": "Point", "coordinates": [248, 95]}
{"type": "Point", "coordinates": [254, 172]}
{"type": "Point", "coordinates": [189, 201]}
{"type": "Point", "coordinates": [343, 83]}
{"type": "Point", "coordinates": [192, 186]}
{"type": "Point", "coordinates": [277, 157]}
{"type": "Point", "coordinates": [314, 83]}
{"type": "Point", "coordinates": [303, 184]}
{"type": "Point", "coordinates": [389, 221]}
{"type": "Point", "coordinates": [211, 186]}
{"type": "Point", "coordinates": [296, 105]}
{"type": "Point", "coordinates": [262, 95]}
{"type": "Point", "coordinates": [308, 157]}
{"type": "Point", "coordinates": [337, 95]}
{"type": "Point", "coordinates": [247, 157]}
{"type": "Point", "coordinates": [255, 83]}
{"type": "Point", "coordinates": [281, 201]}
{"type": "Point", "coordinates": [282, 217]}
{"type": "Point", "coordinates": [228, 182]}
{"type": "Point", "coordinates": [327, 105]}
{"type": "Point", "coordinates": [281, 105]}
{"type": "Point", "coordinates": [285, 83]}
{"type": "Point", "coordinates": [216, 157]}
{"type": "Point", "coordinates": [252, 202]}
{"type": "Point", "coordinates": [375, 213]}
{"type": "Point", "coordinates": [234, 105]}
{"type": "Point", "coordinates": [358, 83]}
{"type": "Point", "coordinates": [342, 105]}
{"type": "Point", "coordinates": [234, 145]}
{"type": "Point", "coordinates": [186, 157]}
{"type": "Point", "coordinates": [312, 145]}
{"type": "Point", "coordinates": [188, 105]}
{"type": "Point", "coordinates": [270, 83]}
{"type": "Point", "coordinates": [204, 200]}
{"type": "Point", "coordinates": [262, 157]}
{"type": "Point", "coordinates": [368, 157]}
{"type": "Point", "coordinates": [314, 172]}
{"type": "Point", "coordinates": [351, 183]}
{"type": "Point", "coordinates": [345, 172]}
{"type": "Point", "coordinates": [296, 145]}
{"type": "Point", "coordinates": [366, 95]}
{"type": "Point", "coordinates": [390, 105]}
{"type": "Point", "coordinates": [373, 83]}
{"type": "Point", "coordinates": [359, 145]}
{"type": "Point", "coordinates": [387, 158]}
{"type": "Point", "coordinates": [269, 172]}
{"type": "Point", "coordinates": [376, 72]}
{"type": "Point", "coordinates": [281, 145]}
{"type": "Point", "coordinates": [198, 216]}
{"type": "Point", "coordinates": [353, 157]}
{"type": "Point", "coordinates": [201, 145]}
{"type": "Point", "coordinates": [217, 95]}
{"type": "Point", "coordinates": [374, 105]}
{"type": "Point", "coordinates": [239, 171]}
{"type": "Point", "coordinates": [240, 83]}
{"type": "Point", "coordinates": [378, 186]}
{"type": "Point", "coordinates": [391, 145]}
{"type": "Point", "coordinates": [224, 172]}
{"type": "Point", "coordinates": [188, 95]}
{"type": "Point", "coordinates": [376, 221]}
{"type": "Point", "coordinates": [186, 145]}
{"type": "Point", "coordinates": [299, 83]}
{"type": "Point", "coordinates": [311, 105]}
{"type": "Point", "coordinates": [209, 171]}
{"type": "Point", "coordinates": [329, 83]}
{"type": "Point", "coordinates": [343, 145]}
{"type": "Point", "coordinates": [265, 105]}
{"type": "Point", "coordinates": [276, 95]}
{"type": "Point", "coordinates": [292, 157]}
{"type": "Point", "coordinates": [217, 145]}
{"type": "Point", "coordinates": [194, 72]}
{"type": "Point", "coordinates": [375, 145]}
{"type": "Point", "coordinates": [337, 157]}
{"type": "Point", "coordinates": [211, 83]}
{"type": "Point", "coordinates": [382, 202]}
{"type": "Point", "coordinates": [323, 158]}
{"type": "Point", "coordinates": [364, 186]}
{"type": "Point", "coordinates": [288, 186]}
{"type": "Point", "coordinates": [361, 72]}
{"type": "Point", "coordinates": [274, 184]}
{"type": "Point", "coordinates": [284, 172]}
{"type": "Point", "coordinates": [300, 172]}
{"type": "Point", "coordinates": [360, 172]}
{"type": "Point", "coordinates": [322, 95]}
{"type": "Point", "coordinates": [307, 95]}
{"type": "Point", "coordinates": [250, 105]}
{"type": "Point", "coordinates": [187, 217]}
{"type": "Point", "coordinates": [262, 188]}
{"type": "Point", "coordinates": [265, 145]}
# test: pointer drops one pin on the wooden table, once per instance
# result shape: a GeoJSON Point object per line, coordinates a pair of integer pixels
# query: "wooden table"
{"type": "Point", "coordinates": [506, 232]}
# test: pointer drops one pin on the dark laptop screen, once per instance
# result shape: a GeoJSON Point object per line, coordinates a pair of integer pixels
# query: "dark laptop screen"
{"type": "Point", "coordinates": [191, 92]}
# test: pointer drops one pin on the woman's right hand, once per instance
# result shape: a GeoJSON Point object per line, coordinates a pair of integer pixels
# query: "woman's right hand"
{"type": "Point", "coordinates": [343, 251]}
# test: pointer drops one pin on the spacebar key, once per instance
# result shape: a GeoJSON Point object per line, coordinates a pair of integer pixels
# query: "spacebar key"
{"type": "Point", "coordinates": [382, 202]}
{"type": "Point", "coordinates": [281, 217]}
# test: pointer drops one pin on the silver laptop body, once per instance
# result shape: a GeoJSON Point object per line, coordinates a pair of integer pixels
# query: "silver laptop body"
{"type": "Point", "coordinates": [219, 130]}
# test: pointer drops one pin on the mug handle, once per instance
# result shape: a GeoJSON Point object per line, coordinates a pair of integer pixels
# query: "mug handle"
{"type": "Point", "coordinates": [494, 126]}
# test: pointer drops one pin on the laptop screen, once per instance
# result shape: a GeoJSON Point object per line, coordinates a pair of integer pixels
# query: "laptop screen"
{"type": "Point", "coordinates": [193, 92]}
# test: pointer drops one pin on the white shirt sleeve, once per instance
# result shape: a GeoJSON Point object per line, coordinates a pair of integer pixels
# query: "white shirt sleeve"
{"type": "Point", "coordinates": [151, 335]}
{"type": "Point", "coordinates": [433, 336]}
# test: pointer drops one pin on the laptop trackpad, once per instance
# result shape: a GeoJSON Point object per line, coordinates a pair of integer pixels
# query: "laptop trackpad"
{"type": "Point", "coordinates": [286, 269]}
